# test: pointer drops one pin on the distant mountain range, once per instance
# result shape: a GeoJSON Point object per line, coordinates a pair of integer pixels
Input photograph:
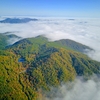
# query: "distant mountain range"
{"type": "Point", "coordinates": [17, 20]}
{"type": "Point", "coordinates": [31, 66]}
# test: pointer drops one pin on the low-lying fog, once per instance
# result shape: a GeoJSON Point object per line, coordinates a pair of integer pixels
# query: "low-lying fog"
{"type": "Point", "coordinates": [78, 90]}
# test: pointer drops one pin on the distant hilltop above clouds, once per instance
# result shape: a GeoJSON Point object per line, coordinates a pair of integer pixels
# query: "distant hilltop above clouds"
{"type": "Point", "coordinates": [17, 20]}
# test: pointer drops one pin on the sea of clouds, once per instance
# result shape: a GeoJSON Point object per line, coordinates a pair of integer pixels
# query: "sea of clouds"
{"type": "Point", "coordinates": [85, 31]}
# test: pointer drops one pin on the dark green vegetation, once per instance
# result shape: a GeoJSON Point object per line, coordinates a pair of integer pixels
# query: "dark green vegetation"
{"type": "Point", "coordinates": [31, 66]}
{"type": "Point", "coordinates": [17, 20]}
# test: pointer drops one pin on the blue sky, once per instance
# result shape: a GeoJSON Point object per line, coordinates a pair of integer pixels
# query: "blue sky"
{"type": "Point", "coordinates": [52, 8]}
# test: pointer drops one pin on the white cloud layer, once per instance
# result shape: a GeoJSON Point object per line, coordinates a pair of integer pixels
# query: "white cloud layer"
{"type": "Point", "coordinates": [80, 90]}
{"type": "Point", "coordinates": [86, 31]}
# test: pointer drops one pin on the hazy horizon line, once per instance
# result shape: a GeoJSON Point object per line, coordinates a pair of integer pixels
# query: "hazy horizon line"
{"type": "Point", "coordinates": [37, 16]}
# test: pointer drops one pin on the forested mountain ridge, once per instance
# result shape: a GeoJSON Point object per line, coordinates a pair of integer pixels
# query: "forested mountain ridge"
{"type": "Point", "coordinates": [74, 45]}
{"type": "Point", "coordinates": [41, 42]}
{"type": "Point", "coordinates": [34, 64]}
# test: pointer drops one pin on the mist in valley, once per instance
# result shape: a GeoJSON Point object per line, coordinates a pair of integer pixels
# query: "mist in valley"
{"type": "Point", "coordinates": [77, 90]}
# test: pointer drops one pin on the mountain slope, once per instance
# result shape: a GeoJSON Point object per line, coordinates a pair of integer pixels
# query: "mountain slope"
{"type": "Point", "coordinates": [13, 82]}
{"type": "Point", "coordinates": [39, 47]}
{"type": "Point", "coordinates": [32, 66]}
